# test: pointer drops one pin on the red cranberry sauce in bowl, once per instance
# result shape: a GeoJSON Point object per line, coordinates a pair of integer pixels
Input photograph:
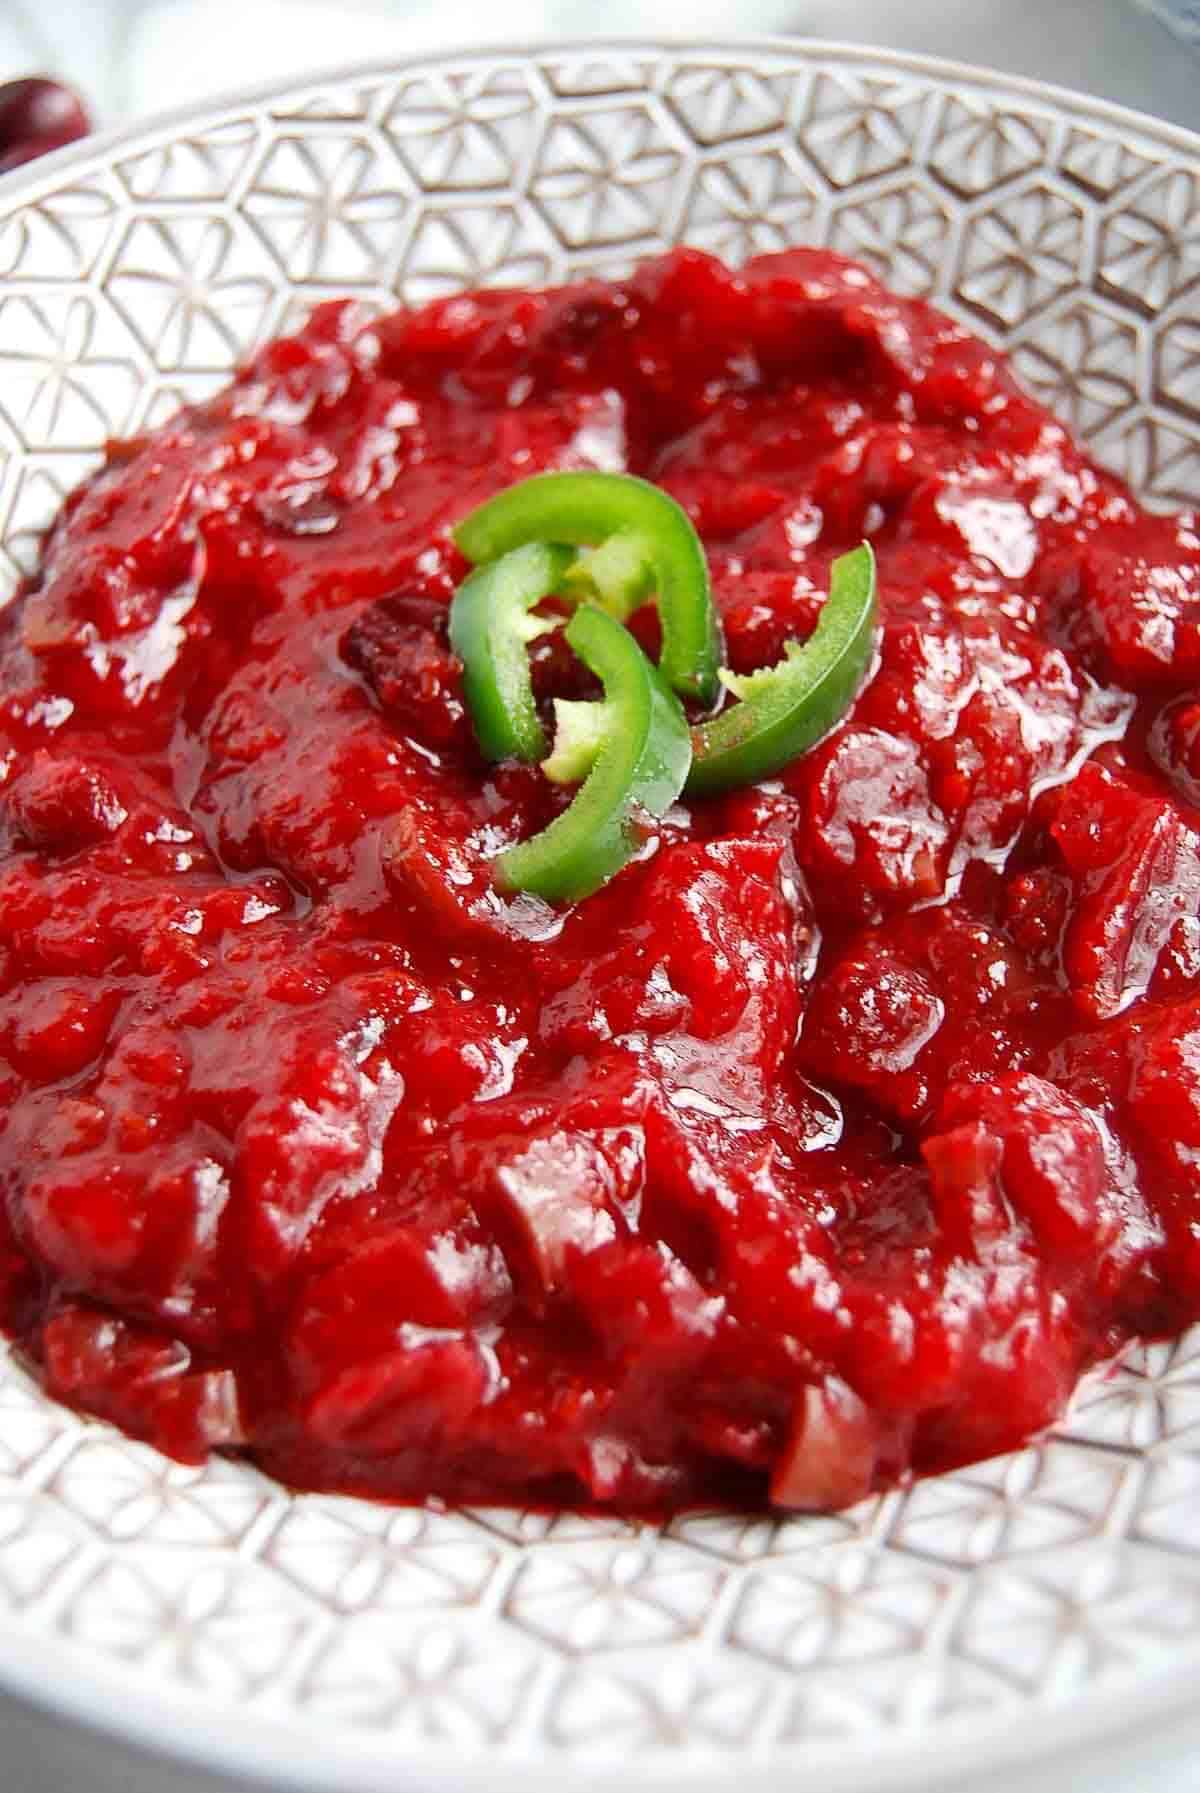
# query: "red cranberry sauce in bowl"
{"type": "Point", "coordinates": [830, 1141]}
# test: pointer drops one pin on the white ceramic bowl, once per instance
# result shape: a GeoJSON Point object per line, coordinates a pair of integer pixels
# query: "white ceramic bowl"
{"type": "Point", "coordinates": [995, 1616]}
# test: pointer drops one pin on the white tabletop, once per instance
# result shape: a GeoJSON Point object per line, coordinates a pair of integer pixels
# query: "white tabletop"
{"type": "Point", "coordinates": [132, 57]}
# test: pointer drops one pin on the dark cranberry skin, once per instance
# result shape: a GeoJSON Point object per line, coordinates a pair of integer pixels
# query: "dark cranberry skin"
{"type": "Point", "coordinates": [36, 116]}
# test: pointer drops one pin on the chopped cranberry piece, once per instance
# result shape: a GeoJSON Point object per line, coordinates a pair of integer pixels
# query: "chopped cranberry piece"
{"type": "Point", "coordinates": [1048, 1158]}
{"type": "Point", "coordinates": [1135, 867]}
{"type": "Point", "coordinates": [144, 1381]}
{"type": "Point", "coordinates": [400, 647]}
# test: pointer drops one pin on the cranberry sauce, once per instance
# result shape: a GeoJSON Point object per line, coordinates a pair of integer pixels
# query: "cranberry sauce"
{"type": "Point", "coordinates": [832, 1139]}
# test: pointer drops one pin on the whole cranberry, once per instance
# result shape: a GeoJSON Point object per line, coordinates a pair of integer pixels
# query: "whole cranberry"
{"type": "Point", "coordinates": [37, 115]}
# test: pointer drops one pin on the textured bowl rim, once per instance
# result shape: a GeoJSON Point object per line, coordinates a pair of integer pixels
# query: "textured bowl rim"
{"type": "Point", "coordinates": [70, 1683]}
{"type": "Point", "coordinates": [28, 181]}
{"type": "Point", "coordinates": [267, 1753]}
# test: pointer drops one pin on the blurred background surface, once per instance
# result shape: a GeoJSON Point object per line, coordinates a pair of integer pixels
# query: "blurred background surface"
{"type": "Point", "coordinates": [133, 57]}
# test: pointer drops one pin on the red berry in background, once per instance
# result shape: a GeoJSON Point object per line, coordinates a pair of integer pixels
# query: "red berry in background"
{"type": "Point", "coordinates": [37, 115]}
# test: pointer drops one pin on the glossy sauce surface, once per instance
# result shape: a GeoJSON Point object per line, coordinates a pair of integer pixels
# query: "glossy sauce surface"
{"type": "Point", "coordinates": [834, 1138]}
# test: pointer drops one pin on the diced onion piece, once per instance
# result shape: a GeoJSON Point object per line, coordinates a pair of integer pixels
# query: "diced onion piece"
{"type": "Point", "coordinates": [829, 1459]}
